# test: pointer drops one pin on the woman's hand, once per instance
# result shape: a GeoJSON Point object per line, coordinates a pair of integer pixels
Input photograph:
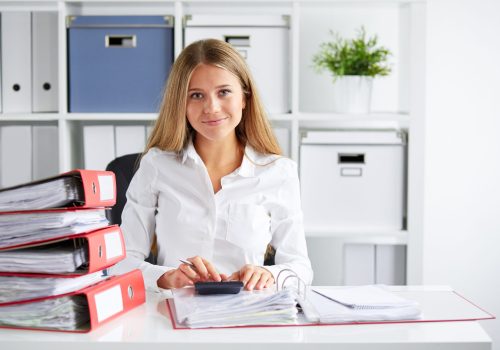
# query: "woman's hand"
{"type": "Point", "coordinates": [253, 277]}
{"type": "Point", "coordinates": [186, 275]}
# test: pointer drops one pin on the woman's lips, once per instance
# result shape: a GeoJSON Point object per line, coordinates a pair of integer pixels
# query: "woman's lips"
{"type": "Point", "coordinates": [214, 122]}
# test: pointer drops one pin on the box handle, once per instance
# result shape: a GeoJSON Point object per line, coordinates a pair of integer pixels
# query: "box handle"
{"type": "Point", "coordinates": [351, 158]}
{"type": "Point", "coordinates": [121, 41]}
{"type": "Point", "coordinates": [239, 42]}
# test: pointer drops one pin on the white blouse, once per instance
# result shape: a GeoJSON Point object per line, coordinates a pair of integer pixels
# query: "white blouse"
{"type": "Point", "coordinates": [172, 195]}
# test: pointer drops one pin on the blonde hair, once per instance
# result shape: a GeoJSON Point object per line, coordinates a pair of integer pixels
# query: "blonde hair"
{"type": "Point", "coordinates": [172, 131]}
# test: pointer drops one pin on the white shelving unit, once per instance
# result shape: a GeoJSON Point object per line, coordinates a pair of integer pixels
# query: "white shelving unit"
{"type": "Point", "coordinates": [398, 100]}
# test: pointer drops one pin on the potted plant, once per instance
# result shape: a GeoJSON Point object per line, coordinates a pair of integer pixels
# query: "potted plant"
{"type": "Point", "coordinates": [353, 64]}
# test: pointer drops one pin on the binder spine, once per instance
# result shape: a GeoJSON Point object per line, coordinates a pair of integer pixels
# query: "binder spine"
{"type": "Point", "coordinates": [114, 297]}
{"type": "Point", "coordinates": [99, 188]}
{"type": "Point", "coordinates": [105, 249]}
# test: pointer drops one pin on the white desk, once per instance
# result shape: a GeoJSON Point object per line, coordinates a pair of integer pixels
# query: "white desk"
{"type": "Point", "coordinates": [148, 327]}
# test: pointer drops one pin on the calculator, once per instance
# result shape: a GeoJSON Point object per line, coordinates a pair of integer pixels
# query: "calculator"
{"type": "Point", "coordinates": [225, 287]}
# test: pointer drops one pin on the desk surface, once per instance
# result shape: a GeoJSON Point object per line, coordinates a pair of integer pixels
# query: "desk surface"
{"type": "Point", "coordinates": [148, 327]}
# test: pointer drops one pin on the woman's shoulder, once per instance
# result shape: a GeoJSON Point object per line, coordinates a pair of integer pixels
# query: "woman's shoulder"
{"type": "Point", "coordinates": [155, 153]}
{"type": "Point", "coordinates": [157, 158]}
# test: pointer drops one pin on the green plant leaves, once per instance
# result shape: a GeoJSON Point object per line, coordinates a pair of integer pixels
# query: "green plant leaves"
{"type": "Point", "coordinates": [358, 56]}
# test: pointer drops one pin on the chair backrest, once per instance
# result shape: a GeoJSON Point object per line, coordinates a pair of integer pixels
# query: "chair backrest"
{"type": "Point", "coordinates": [124, 168]}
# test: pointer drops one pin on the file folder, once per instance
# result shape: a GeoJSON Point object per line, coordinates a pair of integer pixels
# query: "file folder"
{"type": "Point", "coordinates": [90, 307]}
{"type": "Point", "coordinates": [0, 63]}
{"type": "Point", "coordinates": [16, 62]}
{"type": "Point", "coordinates": [45, 151]}
{"type": "Point", "coordinates": [439, 305]}
{"type": "Point", "coordinates": [15, 154]}
{"type": "Point", "coordinates": [45, 61]}
{"type": "Point", "coordinates": [98, 146]}
{"type": "Point", "coordinates": [80, 188]}
{"type": "Point", "coordinates": [15, 289]}
{"type": "Point", "coordinates": [37, 226]}
{"type": "Point", "coordinates": [100, 249]}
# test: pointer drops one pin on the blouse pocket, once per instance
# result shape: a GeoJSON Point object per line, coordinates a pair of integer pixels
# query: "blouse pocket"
{"type": "Point", "coordinates": [249, 226]}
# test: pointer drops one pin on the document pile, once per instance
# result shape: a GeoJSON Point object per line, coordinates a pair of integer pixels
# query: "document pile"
{"type": "Point", "coordinates": [53, 260]}
{"type": "Point", "coordinates": [247, 308]}
{"type": "Point", "coordinates": [357, 304]}
{"type": "Point", "coordinates": [50, 193]}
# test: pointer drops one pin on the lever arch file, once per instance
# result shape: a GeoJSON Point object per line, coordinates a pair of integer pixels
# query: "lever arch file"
{"type": "Point", "coordinates": [79, 311]}
{"type": "Point", "coordinates": [79, 188]}
{"type": "Point", "coordinates": [21, 227]}
{"type": "Point", "coordinates": [16, 62]}
{"type": "Point", "coordinates": [45, 61]}
{"type": "Point", "coordinates": [15, 289]}
{"type": "Point", "coordinates": [68, 256]}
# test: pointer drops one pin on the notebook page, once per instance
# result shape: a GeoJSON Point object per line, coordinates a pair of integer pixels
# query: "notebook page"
{"type": "Point", "coordinates": [363, 297]}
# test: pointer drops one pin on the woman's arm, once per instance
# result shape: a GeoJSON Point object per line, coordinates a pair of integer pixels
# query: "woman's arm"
{"type": "Point", "coordinates": [138, 223]}
{"type": "Point", "coordinates": [287, 228]}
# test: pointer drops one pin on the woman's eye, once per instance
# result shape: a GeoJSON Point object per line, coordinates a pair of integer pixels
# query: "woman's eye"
{"type": "Point", "coordinates": [224, 92]}
{"type": "Point", "coordinates": [196, 95]}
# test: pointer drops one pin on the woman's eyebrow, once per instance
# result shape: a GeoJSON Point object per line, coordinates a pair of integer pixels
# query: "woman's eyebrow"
{"type": "Point", "coordinates": [217, 87]}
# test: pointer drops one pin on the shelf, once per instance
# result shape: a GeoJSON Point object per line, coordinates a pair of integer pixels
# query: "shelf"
{"type": "Point", "coordinates": [281, 117]}
{"type": "Point", "coordinates": [110, 116]}
{"type": "Point", "coordinates": [400, 25]}
{"type": "Point", "coordinates": [360, 236]}
{"type": "Point", "coordinates": [33, 5]}
{"type": "Point", "coordinates": [28, 117]}
{"type": "Point", "coordinates": [340, 117]}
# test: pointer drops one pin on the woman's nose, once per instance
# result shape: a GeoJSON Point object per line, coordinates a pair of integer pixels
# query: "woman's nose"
{"type": "Point", "coordinates": [211, 105]}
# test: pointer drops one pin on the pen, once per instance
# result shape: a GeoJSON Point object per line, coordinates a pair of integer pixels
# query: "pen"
{"type": "Point", "coordinates": [191, 265]}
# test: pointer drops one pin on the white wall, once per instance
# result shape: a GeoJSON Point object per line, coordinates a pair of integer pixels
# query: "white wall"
{"type": "Point", "coordinates": [462, 191]}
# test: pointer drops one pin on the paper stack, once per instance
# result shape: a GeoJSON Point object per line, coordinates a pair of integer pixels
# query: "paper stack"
{"type": "Point", "coordinates": [55, 247]}
{"type": "Point", "coordinates": [248, 308]}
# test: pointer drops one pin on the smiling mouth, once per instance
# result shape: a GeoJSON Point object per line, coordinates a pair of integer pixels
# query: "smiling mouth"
{"type": "Point", "coordinates": [215, 121]}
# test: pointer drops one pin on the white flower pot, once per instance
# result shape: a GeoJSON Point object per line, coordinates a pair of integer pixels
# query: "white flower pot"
{"type": "Point", "coordinates": [352, 94]}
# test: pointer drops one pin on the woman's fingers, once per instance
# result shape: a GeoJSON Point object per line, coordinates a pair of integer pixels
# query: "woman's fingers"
{"type": "Point", "coordinates": [205, 269]}
{"type": "Point", "coordinates": [174, 279]}
{"type": "Point", "coordinates": [254, 277]}
{"type": "Point", "coordinates": [212, 271]}
{"type": "Point", "coordinates": [189, 272]}
{"type": "Point", "coordinates": [253, 280]}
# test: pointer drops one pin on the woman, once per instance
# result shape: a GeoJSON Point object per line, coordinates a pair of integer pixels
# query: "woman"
{"type": "Point", "coordinates": [211, 184]}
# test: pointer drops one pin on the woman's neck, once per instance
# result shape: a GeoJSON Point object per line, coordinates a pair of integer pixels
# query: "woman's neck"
{"type": "Point", "coordinates": [219, 154]}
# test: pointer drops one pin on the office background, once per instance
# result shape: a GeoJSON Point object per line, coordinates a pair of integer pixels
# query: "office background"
{"type": "Point", "coordinates": [460, 150]}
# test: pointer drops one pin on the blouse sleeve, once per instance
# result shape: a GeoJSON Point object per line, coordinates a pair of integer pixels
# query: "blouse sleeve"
{"type": "Point", "coordinates": [138, 223]}
{"type": "Point", "coordinates": [287, 228]}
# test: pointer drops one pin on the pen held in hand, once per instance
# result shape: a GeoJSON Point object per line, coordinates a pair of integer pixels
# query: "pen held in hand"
{"type": "Point", "coordinates": [190, 264]}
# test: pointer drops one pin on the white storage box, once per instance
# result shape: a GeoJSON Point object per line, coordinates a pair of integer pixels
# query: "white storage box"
{"type": "Point", "coordinates": [262, 40]}
{"type": "Point", "coordinates": [353, 179]}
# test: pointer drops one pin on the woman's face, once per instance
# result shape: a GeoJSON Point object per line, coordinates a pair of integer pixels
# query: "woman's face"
{"type": "Point", "coordinates": [215, 102]}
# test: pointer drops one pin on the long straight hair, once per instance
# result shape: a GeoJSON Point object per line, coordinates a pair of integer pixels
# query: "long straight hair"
{"type": "Point", "coordinates": [172, 130]}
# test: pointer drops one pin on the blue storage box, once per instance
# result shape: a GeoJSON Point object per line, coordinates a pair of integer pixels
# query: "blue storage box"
{"type": "Point", "coordinates": [118, 63]}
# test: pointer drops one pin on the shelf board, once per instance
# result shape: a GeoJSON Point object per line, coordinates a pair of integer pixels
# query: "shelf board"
{"type": "Point", "coordinates": [340, 117]}
{"type": "Point", "coordinates": [281, 117]}
{"type": "Point", "coordinates": [28, 117]}
{"type": "Point", "coordinates": [360, 236]}
{"type": "Point", "coordinates": [110, 116]}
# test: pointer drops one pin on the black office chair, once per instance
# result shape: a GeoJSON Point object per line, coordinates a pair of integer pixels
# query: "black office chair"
{"type": "Point", "coordinates": [124, 168]}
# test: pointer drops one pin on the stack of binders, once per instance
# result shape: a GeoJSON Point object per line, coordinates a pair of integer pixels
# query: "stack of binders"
{"type": "Point", "coordinates": [55, 247]}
